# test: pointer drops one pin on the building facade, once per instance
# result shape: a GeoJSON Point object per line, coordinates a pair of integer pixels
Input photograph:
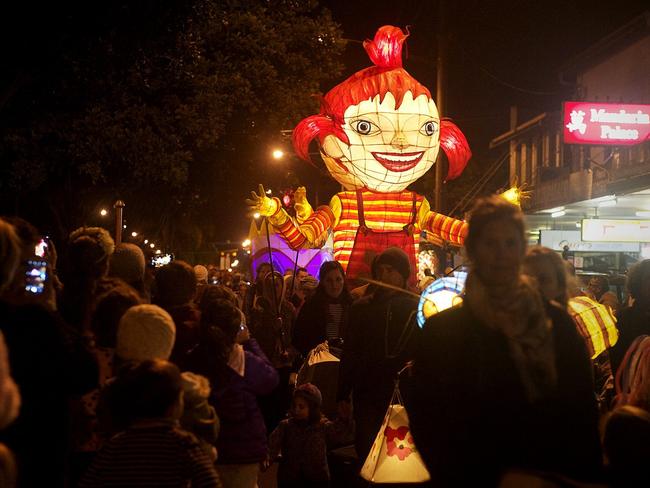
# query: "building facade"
{"type": "Point", "coordinates": [601, 183]}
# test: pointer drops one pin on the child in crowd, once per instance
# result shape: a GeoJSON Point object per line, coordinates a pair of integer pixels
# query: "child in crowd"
{"type": "Point", "coordinates": [303, 439]}
{"type": "Point", "coordinates": [153, 450]}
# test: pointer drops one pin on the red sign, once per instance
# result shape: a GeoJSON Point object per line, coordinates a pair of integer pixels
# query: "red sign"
{"type": "Point", "coordinates": [606, 123]}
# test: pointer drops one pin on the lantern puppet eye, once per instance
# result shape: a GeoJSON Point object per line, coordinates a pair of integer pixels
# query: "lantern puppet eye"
{"type": "Point", "coordinates": [365, 127]}
{"type": "Point", "coordinates": [429, 128]}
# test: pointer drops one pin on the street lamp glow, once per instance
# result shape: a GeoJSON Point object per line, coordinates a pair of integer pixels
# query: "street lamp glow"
{"type": "Point", "coordinates": [146, 241]}
{"type": "Point", "coordinates": [278, 154]}
{"type": "Point", "coordinates": [124, 226]}
{"type": "Point", "coordinates": [235, 263]}
{"type": "Point", "coordinates": [134, 234]}
{"type": "Point", "coordinates": [152, 245]}
{"type": "Point", "coordinates": [246, 243]}
{"type": "Point", "coordinates": [158, 251]}
{"type": "Point", "coordinates": [256, 215]}
{"type": "Point", "coordinates": [103, 212]}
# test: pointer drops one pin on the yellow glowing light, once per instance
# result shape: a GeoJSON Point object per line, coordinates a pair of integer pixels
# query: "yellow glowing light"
{"type": "Point", "coordinates": [278, 154]}
{"type": "Point", "coordinates": [246, 243]}
{"type": "Point", "coordinates": [103, 212]}
{"type": "Point", "coordinates": [152, 245]}
{"type": "Point", "coordinates": [513, 195]}
{"type": "Point", "coordinates": [134, 234]}
{"type": "Point", "coordinates": [158, 251]}
{"type": "Point", "coordinates": [256, 215]}
{"type": "Point", "coordinates": [439, 301]}
{"type": "Point", "coordinates": [235, 263]}
{"type": "Point", "coordinates": [146, 241]}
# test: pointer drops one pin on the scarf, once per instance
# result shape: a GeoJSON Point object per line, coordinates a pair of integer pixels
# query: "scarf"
{"type": "Point", "coordinates": [520, 316]}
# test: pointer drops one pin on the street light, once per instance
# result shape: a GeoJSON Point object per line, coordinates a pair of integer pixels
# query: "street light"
{"type": "Point", "coordinates": [146, 241]}
{"type": "Point", "coordinates": [103, 212]}
{"type": "Point", "coordinates": [134, 234]}
{"type": "Point", "coordinates": [158, 251]}
{"type": "Point", "coordinates": [278, 154]}
{"type": "Point", "coordinates": [246, 243]}
{"type": "Point", "coordinates": [152, 245]}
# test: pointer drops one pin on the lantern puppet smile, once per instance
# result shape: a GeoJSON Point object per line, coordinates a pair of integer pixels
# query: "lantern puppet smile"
{"type": "Point", "coordinates": [379, 131]}
{"type": "Point", "coordinates": [398, 161]}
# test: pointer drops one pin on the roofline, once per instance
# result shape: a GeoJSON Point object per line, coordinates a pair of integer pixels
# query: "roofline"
{"type": "Point", "coordinates": [624, 36]}
{"type": "Point", "coordinates": [520, 129]}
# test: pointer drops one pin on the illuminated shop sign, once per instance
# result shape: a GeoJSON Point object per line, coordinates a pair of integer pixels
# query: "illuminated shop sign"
{"type": "Point", "coordinates": [606, 123]}
{"type": "Point", "coordinates": [557, 239]}
{"type": "Point", "coordinates": [602, 230]}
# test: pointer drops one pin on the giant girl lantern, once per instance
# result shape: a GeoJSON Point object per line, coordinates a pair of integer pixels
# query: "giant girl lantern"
{"type": "Point", "coordinates": [379, 131]}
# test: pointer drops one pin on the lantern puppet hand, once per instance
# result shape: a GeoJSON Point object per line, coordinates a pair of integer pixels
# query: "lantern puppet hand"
{"type": "Point", "coordinates": [262, 204]}
{"type": "Point", "coordinates": [301, 205]}
{"type": "Point", "coordinates": [379, 131]}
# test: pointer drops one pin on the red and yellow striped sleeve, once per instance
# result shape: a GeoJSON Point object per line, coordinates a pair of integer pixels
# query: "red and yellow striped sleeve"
{"type": "Point", "coordinates": [447, 228]}
{"type": "Point", "coordinates": [309, 233]}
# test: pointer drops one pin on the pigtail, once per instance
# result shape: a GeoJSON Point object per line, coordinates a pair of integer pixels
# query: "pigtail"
{"type": "Point", "coordinates": [311, 127]}
{"type": "Point", "coordinates": [385, 50]}
{"type": "Point", "coordinates": [455, 145]}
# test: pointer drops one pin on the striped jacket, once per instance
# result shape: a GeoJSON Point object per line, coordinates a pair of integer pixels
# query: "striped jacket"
{"type": "Point", "coordinates": [384, 212]}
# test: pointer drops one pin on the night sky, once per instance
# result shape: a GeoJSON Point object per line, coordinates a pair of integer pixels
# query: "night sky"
{"type": "Point", "coordinates": [500, 53]}
{"type": "Point", "coordinates": [492, 44]}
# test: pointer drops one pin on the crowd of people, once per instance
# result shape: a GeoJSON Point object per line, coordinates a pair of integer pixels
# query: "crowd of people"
{"type": "Point", "coordinates": [115, 374]}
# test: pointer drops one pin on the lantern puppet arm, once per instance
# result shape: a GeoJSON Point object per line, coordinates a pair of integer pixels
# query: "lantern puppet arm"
{"type": "Point", "coordinates": [313, 232]}
{"type": "Point", "coordinates": [448, 229]}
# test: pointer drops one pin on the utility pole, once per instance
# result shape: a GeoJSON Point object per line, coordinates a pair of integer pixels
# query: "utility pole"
{"type": "Point", "coordinates": [440, 96]}
{"type": "Point", "coordinates": [119, 208]}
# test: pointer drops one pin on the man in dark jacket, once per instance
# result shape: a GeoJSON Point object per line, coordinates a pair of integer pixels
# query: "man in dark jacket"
{"type": "Point", "coordinates": [381, 337]}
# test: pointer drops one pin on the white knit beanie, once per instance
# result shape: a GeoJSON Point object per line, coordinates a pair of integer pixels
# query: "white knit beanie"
{"type": "Point", "coordinates": [201, 273]}
{"type": "Point", "coordinates": [145, 332]}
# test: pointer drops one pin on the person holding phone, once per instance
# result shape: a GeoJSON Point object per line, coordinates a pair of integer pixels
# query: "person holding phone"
{"type": "Point", "coordinates": [50, 364]}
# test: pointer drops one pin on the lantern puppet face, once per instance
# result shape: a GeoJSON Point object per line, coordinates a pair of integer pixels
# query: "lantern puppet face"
{"type": "Point", "coordinates": [380, 129]}
{"type": "Point", "coordinates": [389, 148]}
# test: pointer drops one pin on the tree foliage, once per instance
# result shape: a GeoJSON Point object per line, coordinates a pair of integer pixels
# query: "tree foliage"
{"type": "Point", "coordinates": [166, 105]}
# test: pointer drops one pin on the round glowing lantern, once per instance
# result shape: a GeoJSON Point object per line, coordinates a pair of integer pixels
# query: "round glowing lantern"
{"type": "Point", "coordinates": [440, 295]}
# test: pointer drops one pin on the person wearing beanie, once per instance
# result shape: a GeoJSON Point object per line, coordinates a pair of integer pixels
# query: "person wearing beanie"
{"type": "Point", "coordinates": [152, 450]}
{"type": "Point", "coordinates": [392, 266]}
{"type": "Point", "coordinates": [88, 252]}
{"type": "Point", "coordinates": [199, 417]}
{"type": "Point", "coordinates": [201, 273]}
{"type": "Point", "coordinates": [145, 332]}
{"type": "Point", "coordinates": [175, 292]}
{"type": "Point", "coordinates": [127, 263]}
{"type": "Point", "coordinates": [380, 339]}
{"type": "Point", "coordinates": [300, 443]}
{"type": "Point", "coordinates": [50, 364]}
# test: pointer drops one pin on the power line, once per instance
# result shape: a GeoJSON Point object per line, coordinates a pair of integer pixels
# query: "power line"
{"type": "Point", "coordinates": [503, 82]}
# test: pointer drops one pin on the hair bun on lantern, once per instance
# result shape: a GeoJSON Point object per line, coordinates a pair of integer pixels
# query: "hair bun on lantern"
{"type": "Point", "coordinates": [385, 50]}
